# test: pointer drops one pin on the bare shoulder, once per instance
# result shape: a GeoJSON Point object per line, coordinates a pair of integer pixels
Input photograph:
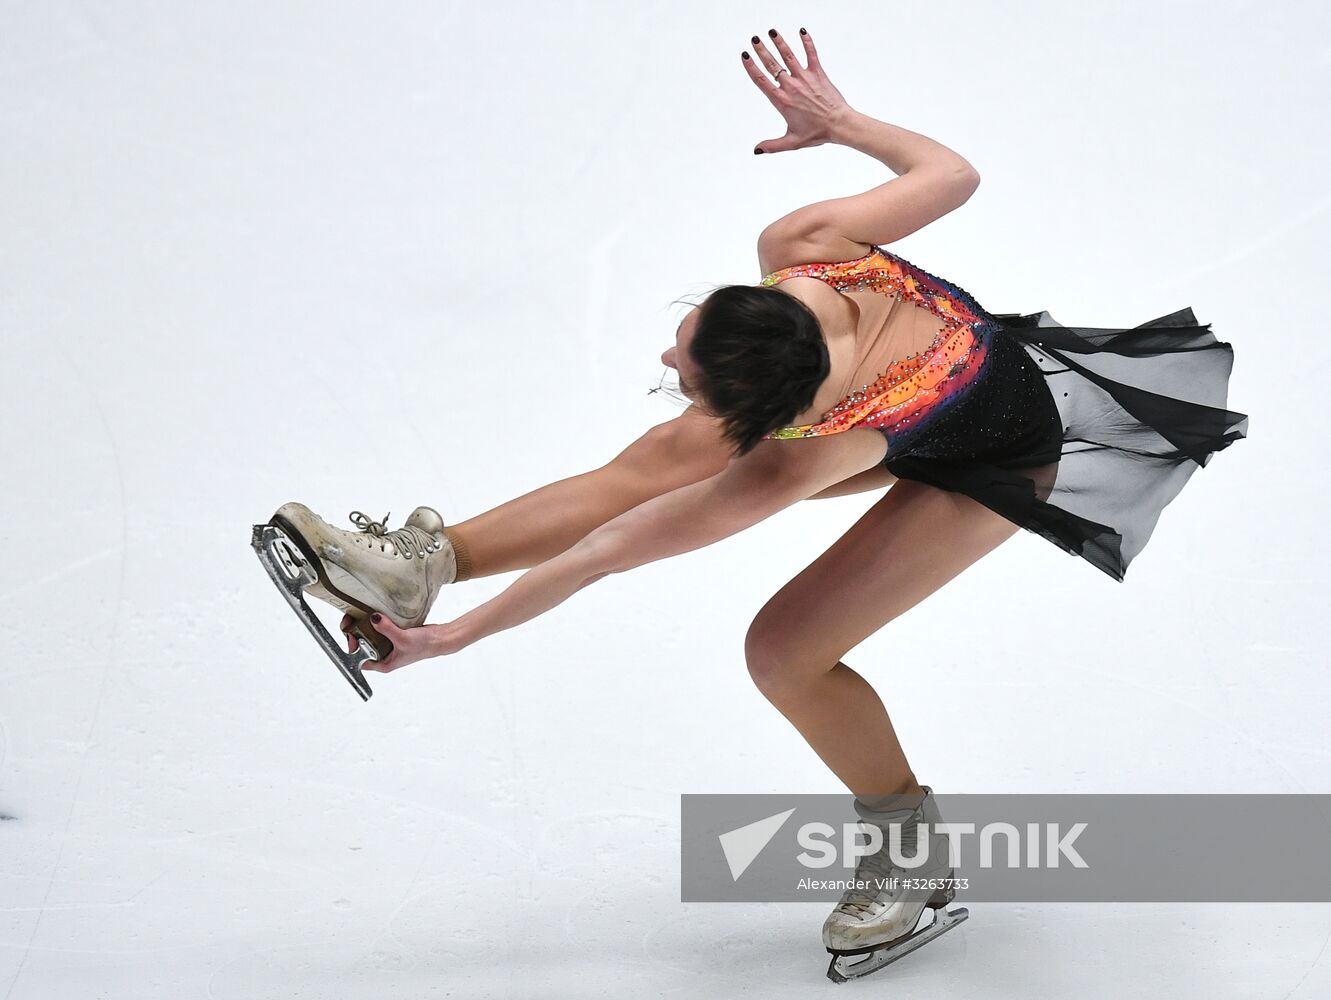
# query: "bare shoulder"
{"type": "Point", "coordinates": [838, 314]}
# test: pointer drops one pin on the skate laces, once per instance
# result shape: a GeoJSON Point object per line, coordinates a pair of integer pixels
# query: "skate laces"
{"type": "Point", "coordinates": [856, 901]}
{"type": "Point", "coordinates": [872, 867]}
{"type": "Point", "coordinates": [408, 541]}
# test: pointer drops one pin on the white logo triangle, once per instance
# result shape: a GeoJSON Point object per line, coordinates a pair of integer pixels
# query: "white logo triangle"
{"type": "Point", "coordinates": [741, 846]}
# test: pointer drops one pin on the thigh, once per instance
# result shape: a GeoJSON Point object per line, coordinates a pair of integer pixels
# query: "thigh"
{"type": "Point", "coordinates": [862, 482]}
{"type": "Point", "coordinates": [905, 547]}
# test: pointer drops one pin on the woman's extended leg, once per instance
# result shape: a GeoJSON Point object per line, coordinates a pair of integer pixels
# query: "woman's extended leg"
{"type": "Point", "coordinates": [906, 546]}
{"type": "Point", "coordinates": [543, 523]}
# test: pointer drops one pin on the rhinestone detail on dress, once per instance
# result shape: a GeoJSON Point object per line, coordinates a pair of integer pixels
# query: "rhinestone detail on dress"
{"type": "Point", "coordinates": [917, 388]}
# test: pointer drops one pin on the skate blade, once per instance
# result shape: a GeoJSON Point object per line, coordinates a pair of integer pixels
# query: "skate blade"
{"type": "Point", "coordinates": [844, 967]}
{"type": "Point", "coordinates": [323, 589]}
{"type": "Point", "coordinates": [291, 571]}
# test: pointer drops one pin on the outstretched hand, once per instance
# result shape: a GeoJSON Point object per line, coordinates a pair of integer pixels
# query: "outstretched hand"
{"type": "Point", "coordinates": [804, 95]}
{"type": "Point", "coordinates": [409, 644]}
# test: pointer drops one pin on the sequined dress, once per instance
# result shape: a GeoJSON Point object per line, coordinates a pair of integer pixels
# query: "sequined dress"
{"type": "Point", "coordinates": [1081, 435]}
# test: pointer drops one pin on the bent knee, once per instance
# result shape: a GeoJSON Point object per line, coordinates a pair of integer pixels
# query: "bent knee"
{"type": "Point", "coordinates": [778, 674]}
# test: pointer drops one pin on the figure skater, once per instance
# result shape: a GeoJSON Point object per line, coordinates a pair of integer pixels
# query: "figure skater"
{"type": "Point", "coordinates": [846, 368]}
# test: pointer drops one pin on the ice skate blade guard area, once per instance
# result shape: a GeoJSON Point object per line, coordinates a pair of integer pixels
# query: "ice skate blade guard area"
{"type": "Point", "coordinates": [293, 571]}
{"type": "Point", "coordinates": [846, 965]}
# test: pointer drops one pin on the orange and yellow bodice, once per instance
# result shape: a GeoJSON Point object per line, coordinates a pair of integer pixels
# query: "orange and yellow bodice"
{"type": "Point", "coordinates": [916, 389]}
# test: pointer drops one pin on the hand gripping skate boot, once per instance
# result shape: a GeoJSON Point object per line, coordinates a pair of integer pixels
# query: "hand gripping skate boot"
{"type": "Point", "coordinates": [880, 921]}
{"type": "Point", "coordinates": [397, 572]}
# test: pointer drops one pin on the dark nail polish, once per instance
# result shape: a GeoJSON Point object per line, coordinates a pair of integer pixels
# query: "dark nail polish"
{"type": "Point", "coordinates": [754, 39]}
{"type": "Point", "coordinates": [376, 619]}
{"type": "Point", "coordinates": [757, 151]}
{"type": "Point", "coordinates": [771, 32]}
{"type": "Point", "coordinates": [745, 55]}
{"type": "Point", "coordinates": [803, 32]}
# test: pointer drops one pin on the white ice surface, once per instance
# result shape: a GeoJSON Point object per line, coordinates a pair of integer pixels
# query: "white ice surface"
{"type": "Point", "coordinates": [371, 256]}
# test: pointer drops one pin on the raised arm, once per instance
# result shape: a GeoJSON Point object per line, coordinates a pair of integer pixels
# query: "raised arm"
{"type": "Point", "coordinates": [932, 179]}
{"type": "Point", "coordinates": [750, 489]}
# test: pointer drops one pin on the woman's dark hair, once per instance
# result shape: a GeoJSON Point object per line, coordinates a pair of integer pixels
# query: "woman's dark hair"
{"type": "Point", "coordinates": [761, 357]}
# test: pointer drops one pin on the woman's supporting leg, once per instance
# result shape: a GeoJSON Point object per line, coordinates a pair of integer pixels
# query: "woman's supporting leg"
{"type": "Point", "coordinates": [906, 546]}
{"type": "Point", "coordinates": [541, 524]}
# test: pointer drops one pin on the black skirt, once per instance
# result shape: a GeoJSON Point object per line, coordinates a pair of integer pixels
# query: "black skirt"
{"type": "Point", "coordinates": [1081, 434]}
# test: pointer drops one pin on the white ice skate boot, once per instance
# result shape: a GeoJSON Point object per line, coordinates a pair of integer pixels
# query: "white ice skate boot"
{"type": "Point", "coordinates": [398, 573]}
{"type": "Point", "coordinates": [880, 921]}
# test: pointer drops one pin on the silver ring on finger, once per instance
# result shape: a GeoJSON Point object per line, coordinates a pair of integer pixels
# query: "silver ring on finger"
{"type": "Point", "coordinates": [777, 75]}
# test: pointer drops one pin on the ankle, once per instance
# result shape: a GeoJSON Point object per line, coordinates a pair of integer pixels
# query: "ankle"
{"type": "Point", "coordinates": [907, 794]}
{"type": "Point", "coordinates": [463, 554]}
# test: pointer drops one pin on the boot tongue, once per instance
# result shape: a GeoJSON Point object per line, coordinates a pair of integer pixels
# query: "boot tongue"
{"type": "Point", "coordinates": [427, 519]}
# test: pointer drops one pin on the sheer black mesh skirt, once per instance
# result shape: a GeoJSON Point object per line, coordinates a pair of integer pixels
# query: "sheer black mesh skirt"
{"type": "Point", "coordinates": [1082, 434]}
